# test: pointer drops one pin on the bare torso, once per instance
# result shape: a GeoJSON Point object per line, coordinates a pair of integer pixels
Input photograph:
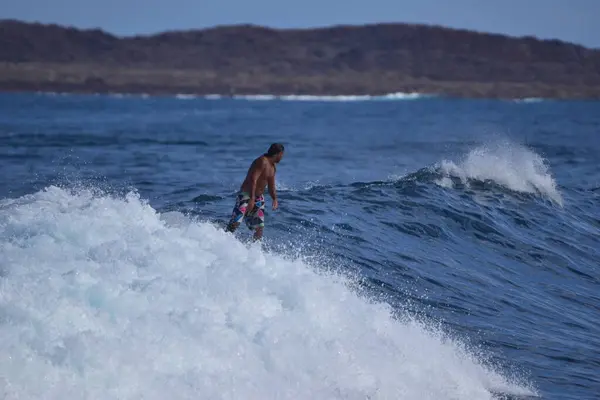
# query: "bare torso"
{"type": "Point", "coordinates": [266, 171]}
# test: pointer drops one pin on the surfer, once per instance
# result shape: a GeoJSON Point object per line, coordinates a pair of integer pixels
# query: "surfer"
{"type": "Point", "coordinates": [250, 201]}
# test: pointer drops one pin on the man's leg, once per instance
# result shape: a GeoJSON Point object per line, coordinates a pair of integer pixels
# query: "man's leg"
{"type": "Point", "coordinates": [237, 215]}
{"type": "Point", "coordinates": [258, 233]}
{"type": "Point", "coordinates": [256, 219]}
{"type": "Point", "coordinates": [232, 226]}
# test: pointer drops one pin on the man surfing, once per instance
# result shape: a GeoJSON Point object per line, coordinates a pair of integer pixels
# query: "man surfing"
{"type": "Point", "coordinates": [250, 201]}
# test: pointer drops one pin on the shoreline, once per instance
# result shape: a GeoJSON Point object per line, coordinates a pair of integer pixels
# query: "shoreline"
{"type": "Point", "coordinates": [325, 97]}
{"type": "Point", "coordinates": [263, 97]}
{"type": "Point", "coordinates": [451, 91]}
{"type": "Point", "coordinates": [250, 96]}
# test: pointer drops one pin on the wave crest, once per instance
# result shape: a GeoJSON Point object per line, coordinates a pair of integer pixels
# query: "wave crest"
{"type": "Point", "coordinates": [515, 167]}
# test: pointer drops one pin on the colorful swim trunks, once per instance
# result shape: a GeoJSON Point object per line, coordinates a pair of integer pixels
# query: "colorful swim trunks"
{"type": "Point", "coordinates": [254, 218]}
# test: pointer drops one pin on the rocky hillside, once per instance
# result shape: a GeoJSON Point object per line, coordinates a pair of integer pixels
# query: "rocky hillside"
{"type": "Point", "coordinates": [371, 59]}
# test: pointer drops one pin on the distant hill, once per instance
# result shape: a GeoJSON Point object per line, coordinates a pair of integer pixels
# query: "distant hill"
{"type": "Point", "coordinates": [370, 59]}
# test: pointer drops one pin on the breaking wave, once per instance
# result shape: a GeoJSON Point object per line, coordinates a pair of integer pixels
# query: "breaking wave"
{"type": "Point", "coordinates": [342, 98]}
{"type": "Point", "coordinates": [512, 166]}
{"type": "Point", "coordinates": [104, 297]}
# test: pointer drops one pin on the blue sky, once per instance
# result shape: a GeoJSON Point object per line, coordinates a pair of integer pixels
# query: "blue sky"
{"type": "Point", "coordinates": [571, 20]}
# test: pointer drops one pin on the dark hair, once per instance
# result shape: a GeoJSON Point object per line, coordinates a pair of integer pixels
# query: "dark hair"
{"type": "Point", "coordinates": [274, 149]}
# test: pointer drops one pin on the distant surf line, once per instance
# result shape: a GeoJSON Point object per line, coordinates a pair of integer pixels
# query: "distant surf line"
{"type": "Point", "coordinates": [260, 97]}
{"type": "Point", "coordinates": [309, 97]}
{"type": "Point", "coordinates": [398, 96]}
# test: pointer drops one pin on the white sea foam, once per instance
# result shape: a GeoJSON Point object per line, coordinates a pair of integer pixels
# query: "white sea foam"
{"type": "Point", "coordinates": [271, 97]}
{"type": "Point", "coordinates": [104, 298]}
{"type": "Point", "coordinates": [324, 98]}
{"type": "Point", "coordinates": [510, 165]}
{"type": "Point", "coordinates": [529, 100]}
{"type": "Point", "coordinates": [183, 96]}
{"type": "Point", "coordinates": [128, 95]}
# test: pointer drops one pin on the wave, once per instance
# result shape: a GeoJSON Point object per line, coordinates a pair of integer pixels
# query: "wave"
{"type": "Point", "coordinates": [530, 100]}
{"type": "Point", "coordinates": [265, 97]}
{"type": "Point", "coordinates": [182, 96]}
{"type": "Point", "coordinates": [323, 98]}
{"type": "Point", "coordinates": [105, 297]}
{"type": "Point", "coordinates": [128, 95]}
{"type": "Point", "coordinates": [512, 166]}
{"type": "Point", "coordinates": [504, 165]}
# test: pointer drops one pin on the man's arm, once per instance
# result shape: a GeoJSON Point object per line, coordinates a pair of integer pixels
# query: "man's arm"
{"type": "Point", "coordinates": [272, 191]}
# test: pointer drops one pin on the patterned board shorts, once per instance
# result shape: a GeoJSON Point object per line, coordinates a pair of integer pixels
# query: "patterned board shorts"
{"type": "Point", "coordinates": [254, 218]}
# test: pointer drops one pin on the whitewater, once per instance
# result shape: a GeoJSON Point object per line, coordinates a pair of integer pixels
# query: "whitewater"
{"type": "Point", "coordinates": [105, 297]}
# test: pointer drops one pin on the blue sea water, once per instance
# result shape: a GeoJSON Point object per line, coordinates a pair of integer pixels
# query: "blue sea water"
{"type": "Point", "coordinates": [424, 248]}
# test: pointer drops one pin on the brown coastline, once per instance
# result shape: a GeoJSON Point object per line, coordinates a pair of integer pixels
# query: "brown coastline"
{"type": "Point", "coordinates": [341, 60]}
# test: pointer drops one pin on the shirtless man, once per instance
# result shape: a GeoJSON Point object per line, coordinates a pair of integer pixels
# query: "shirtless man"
{"type": "Point", "coordinates": [250, 201]}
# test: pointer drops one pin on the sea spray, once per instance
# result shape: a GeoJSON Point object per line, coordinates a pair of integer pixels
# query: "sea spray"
{"type": "Point", "coordinates": [513, 166]}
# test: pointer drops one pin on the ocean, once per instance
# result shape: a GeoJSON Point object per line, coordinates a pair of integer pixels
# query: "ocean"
{"type": "Point", "coordinates": [424, 248]}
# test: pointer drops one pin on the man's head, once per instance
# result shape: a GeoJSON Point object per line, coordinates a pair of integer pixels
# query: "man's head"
{"type": "Point", "coordinates": [275, 152]}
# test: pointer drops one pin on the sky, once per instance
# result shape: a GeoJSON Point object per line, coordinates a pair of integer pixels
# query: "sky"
{"type": "Point", "coordinates": [575, 21]}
